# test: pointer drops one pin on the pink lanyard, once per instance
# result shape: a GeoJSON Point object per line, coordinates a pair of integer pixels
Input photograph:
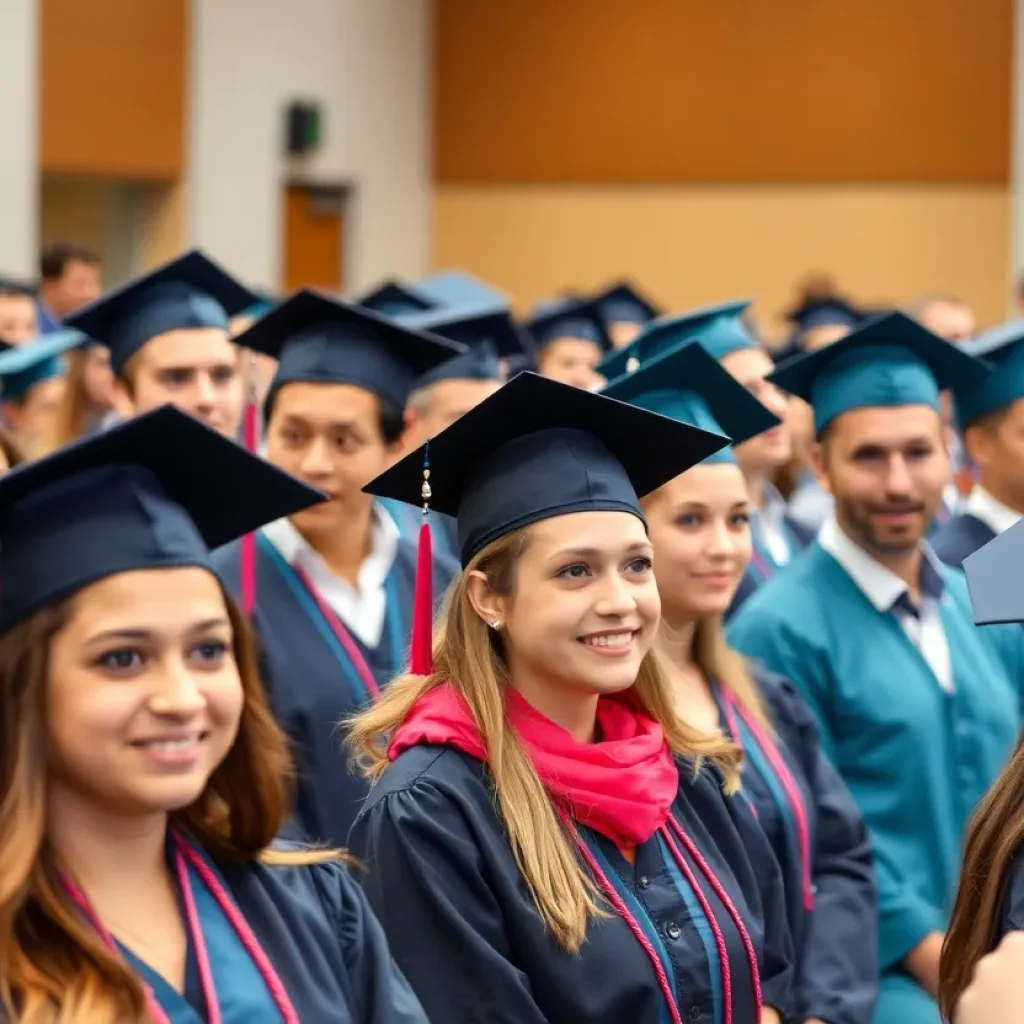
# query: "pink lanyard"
{"type": "Point", "coordinates": [184, 852]}
{"type": "Point", "coordinates": [786, 780]}
{"type": "Point", "coordinates": [671, 831]}
{"type": "Point", "coordinates": [349, 646]}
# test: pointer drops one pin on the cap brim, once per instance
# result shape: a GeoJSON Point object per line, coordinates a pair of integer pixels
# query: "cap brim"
{"type": "Point", "coordinates": [651, 448]}
{"type": "Point", "coordinates": [226, 490]}
{"type": "Point", "coordinates": [18, 358]}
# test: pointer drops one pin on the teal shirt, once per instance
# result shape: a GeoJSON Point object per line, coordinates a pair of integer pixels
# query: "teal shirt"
{"type": "Point", "coordinates": [917, 759]}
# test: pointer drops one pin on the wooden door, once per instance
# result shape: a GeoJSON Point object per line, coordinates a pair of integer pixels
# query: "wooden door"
{"type": "Point", "coordinates": [314, 238]}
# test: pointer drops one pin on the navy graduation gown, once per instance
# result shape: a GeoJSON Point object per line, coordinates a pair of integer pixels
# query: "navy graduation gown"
{"type": "Point", "coordinates": [959, 537]}
{"type": "Point", "coordinates": [836, 943]}
{"type": "Point", "coordinates": [311, 683]}
{"type": "Point", "coordinates": [464, 929]}
{"type": "Point", "coordinates": [762, 566]}
{"type": "Point", "coordinates": [1011, 916]}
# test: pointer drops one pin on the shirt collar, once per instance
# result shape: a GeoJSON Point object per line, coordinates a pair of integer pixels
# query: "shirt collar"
{"type": "Point", "coordinates": [384, 538]}
{"type": "Point", "coordinates": [881, 586]}
{"type": "Point", "coordinates": [993, 513]}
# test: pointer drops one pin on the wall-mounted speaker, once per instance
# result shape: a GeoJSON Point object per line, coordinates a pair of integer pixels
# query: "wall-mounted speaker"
{"type": "Point", "coordinates": [302, 128]}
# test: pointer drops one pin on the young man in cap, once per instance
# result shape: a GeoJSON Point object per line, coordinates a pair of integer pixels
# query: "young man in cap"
{"type": "Point", "coordinates": [990, 417]}
{"type": "Point", "coordinates": [918, 709]}
{"type": "Point", "coordinates": [331, 589]}
{"type": "Point", "coordinates": [169, 338]}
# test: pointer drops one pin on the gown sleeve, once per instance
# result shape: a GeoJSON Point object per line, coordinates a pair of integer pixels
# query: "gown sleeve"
{"type": "Point", "coordinates": [380, 992]}
{"type": "Point", "coordinates": [839, 969]}
{"type": "Point", "coordinates": [904, 917]}
{"type": "Point", "coordinates": [426, 879]}
{"type": "Point", "coordinates": [776, 963]}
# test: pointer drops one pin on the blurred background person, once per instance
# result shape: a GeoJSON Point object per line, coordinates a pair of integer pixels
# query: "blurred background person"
{"type": "Point", "coordinates": [69, 278]}
{"type": "Point", "coordinates": [18, 320]}
{"type": "Point", "coordinates": [89, 401]}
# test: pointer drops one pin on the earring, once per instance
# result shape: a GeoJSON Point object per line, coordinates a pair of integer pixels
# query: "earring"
{"type": "Point", "coordinates": [495, 624]}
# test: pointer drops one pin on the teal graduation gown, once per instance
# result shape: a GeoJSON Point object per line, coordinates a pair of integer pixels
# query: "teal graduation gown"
{"type": "Point", "coordinates": [916, 759]}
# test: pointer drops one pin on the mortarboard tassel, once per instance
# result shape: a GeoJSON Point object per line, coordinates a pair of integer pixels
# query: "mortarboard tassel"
{"type": "Point", "coordinates": [250, 437]}
{"type": "Point", "coordinates": [421, 655]}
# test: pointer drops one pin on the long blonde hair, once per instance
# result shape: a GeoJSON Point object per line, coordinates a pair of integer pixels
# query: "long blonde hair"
{"type": "Point", "coordinates": [53, 967]}
{"type": "Point", "coordinates": [467, 655]}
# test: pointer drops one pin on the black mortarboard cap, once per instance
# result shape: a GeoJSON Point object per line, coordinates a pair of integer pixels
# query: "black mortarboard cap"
{"type": "Point", "coordinates": [17, 285]}
{"type": "Point", "coordinates": [395, 298]}
{"type": "Point", "coordinates": [189, 292]}
{"type": "Point", "coordinates": [623, 302]}
{"type": "Point", "coordinates": [472, 325]}
{"type": "Point", "coordinates": [479, 362]}
{"type": "Point", "coordinates": [323, 340]}
{"type": "Point", "coordinates": [993, 578]}
{"type": "Point", "coordinates": [538, 448]}
{"type": "Point", "coordinates": [826, 312]}
{"type": "Point", "coordinates": [569, 318]}
{"type": "Point", "coordinates": [460, 288]}
{"type": "Point", "coordinates": [158, 491]}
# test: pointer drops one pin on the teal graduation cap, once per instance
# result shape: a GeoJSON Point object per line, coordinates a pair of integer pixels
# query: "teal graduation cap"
{"type": "Point", "coordinates": [568, 318]}
{"type": "Point", "coordinates": [395, 298]}
{"type": "Point", "coordinates": [460, 288]}
{"type": "Point", "coordinates": [1003, 347]}
{"type": "Point", "coordinates": [689, 385]}
{"type": "Point", "coordinates": [24, 366]}
{"type": "Point", "coordinates": [491, 322]}
{"type": "Point", "coordinates": [889, 361]}
{"type": "Point", "coordinates": [719, 328]}
{"type": "Point", "coordinates": [190, 292]}
{"type": "Point", "coordinates": [624, 303]}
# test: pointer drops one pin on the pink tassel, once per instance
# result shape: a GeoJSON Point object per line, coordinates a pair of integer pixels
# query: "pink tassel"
{"type": "Point", "coordinates": [250, 435]}
{"type": "Point", "coordinates": [421, 655]}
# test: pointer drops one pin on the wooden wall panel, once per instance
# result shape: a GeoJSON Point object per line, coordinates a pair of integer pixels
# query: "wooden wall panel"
{"type": "Point", "coordinates": [722, 90]}
{"type": "Point", "coordinates": [113, 87]}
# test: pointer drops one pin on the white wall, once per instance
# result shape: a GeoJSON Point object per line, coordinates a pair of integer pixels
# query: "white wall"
{"type": "Point", "coordinates": [367, 62]}
{"type": "Point", "coordinates": [18, 114]}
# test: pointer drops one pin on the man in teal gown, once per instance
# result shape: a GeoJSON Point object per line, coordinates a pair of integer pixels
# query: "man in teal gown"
{"type": "Point", "coordinates": [919, 710]}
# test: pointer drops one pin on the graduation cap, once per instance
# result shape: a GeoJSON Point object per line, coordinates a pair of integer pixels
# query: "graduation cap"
{"type": "Point", "coordinates": [261, 307]}
{"type": "Point", "coordinates": [459, 288]}
{"type": "Point", "coordinates": [16, 286]}
{"type": "Point", "coordinates": [480, 362]}
{"type": "Point", "coordinates": [569, 318]}
{"type": "Point", "coordinates": [24, 366]}
{"type": "Point", "coordinates": [826, 312]}
{"type": "Point", "coordinates": [538, 448]}
{"type": "Point", "coordinates": [689, 385]}
{"type": "Point", "coordinates": [394, 298]}
{"type": "Point", "coordinates": [187, 293]}
{"type": "Point", "coordinates": [1003, 348]}
{"type": "Point", "coordinates": [993, 578]}
{"type": "Point", "coordinates": [323, 340]}
{"type": "Point", "coordinates": [719, 328]}
{"type": "Point", "coordinates": [622, 302]}
{"type": "Point", "coordinates": [492, 323]}
{"type": "Point", "coordinates": [889, 361]}
{"type": "Point", "coordinates": [127, 499]}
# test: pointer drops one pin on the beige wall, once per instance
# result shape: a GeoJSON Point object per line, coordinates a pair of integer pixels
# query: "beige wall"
{"type": "Point", "coordinates": [692, 244]}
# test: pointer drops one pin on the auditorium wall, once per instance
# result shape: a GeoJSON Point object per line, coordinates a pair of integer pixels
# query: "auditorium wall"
{"type": "Point", "coordinates": [710, 146]}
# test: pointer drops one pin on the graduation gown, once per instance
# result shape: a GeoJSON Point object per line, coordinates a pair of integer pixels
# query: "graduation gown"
{"type": "Point", "coordinates": [319, 934]}
{"type": "Point", "coordinates": [916, 759]}
{"type": "Point", "coordinates": [464, 929]}
{"type": "Point", "coordinates": [762, 566]}
{"type": "Point", "coordinates": [835, 943]}
{"type": "Point", "coordinates": [312, 684]}
{"type": "Point", "coordinates": [959, 537]}
{"type": "Point", "coordinates": [1011, 915]}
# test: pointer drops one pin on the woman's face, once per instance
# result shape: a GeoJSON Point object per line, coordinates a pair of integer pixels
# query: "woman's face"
{"type": "Point", "coordinates": [700, 529]}
{"type": "Point", "coordinates": [144, 696]}
{"type": "Point", "coordinates": [584, 610]}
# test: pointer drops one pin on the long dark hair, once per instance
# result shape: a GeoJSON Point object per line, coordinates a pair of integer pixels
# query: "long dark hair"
{"type": "Point", "coordinates": [995, 835]}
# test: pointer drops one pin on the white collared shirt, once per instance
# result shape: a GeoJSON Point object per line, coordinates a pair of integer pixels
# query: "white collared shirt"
{"type": "Point", "coordinates": [771, 522]}
{"type": "Point", "coordinates": [888, 593]}
{"type": "Point", "coordinates": [363, 608]}
{"type": "Point", "coordinates": [994, 514]}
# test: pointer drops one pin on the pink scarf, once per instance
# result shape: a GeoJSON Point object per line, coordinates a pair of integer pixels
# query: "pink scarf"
{"type": "Point", "coordinates": [622, 786]}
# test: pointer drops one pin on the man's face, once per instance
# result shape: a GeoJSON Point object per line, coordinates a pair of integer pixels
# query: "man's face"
{"type": "Point", "coordinates": [18, 322]}
{"type": "Point", "coordinates": [997, 448]}
{"type": "Point", "coordinates": [953, 321]}
{"type": "Point", "coordinates": [572, 361]}
{"type": "Point", "coordinates": [886, 469]}
{"type": "Point", "coordinates": [765, 452]}
{"type": "Point", "coordinates": [442, 403]}
{"type": "Point", "coordinates": [76, 287]}
{"type": "Point", "coordinates": [195, 369]}
{"type": "Point", "coordinates": [328, 435]}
